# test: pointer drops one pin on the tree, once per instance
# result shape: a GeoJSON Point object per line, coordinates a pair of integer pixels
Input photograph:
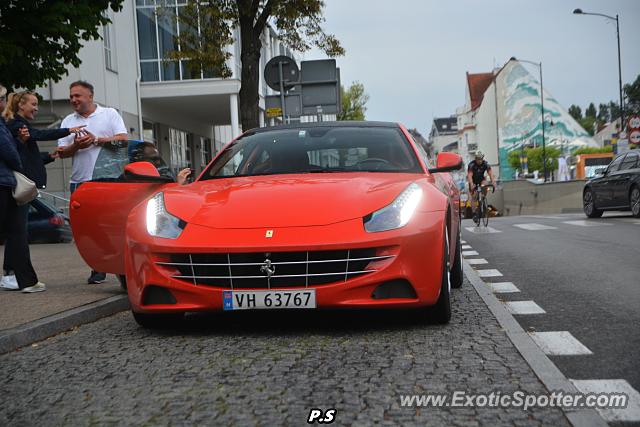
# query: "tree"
{"type": "Point", "coordinates": [534, 159]}
{"type": "Point", "coordinates": [353, 102]}
{"type": "Point", "coordinates": [590, 111]}
{"type": "Point", "coordinates": [603, 113]}
{"type": "Point", "coordinates": [298, 22]}
{"type": "Point", "coordinates": [575, 112]}
{"type": "Point", "coordinates": [588, 123]}
{"type": "Point", "coordinates": [40, 38]}
{"type": "Point", "coordinates": [632, 97]}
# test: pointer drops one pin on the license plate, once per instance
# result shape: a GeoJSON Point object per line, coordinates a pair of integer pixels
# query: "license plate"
{"type": "Point", "coordinates": [278, 299]}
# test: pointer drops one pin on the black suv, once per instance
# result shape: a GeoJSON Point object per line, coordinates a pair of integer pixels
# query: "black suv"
{"type": "Point", "coordinates": [616, 187]}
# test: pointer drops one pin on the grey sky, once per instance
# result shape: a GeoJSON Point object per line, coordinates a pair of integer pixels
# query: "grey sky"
{"type": "Point", "coordinates": [412, 55]}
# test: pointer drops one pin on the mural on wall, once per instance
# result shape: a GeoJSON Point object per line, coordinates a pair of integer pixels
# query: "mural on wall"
{"type": "Point", "coordinates": [519, 121]}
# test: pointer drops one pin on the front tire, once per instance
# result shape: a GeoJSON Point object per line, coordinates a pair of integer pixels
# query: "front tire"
{"type": "Point", "coordinates": [158, 321]}
{"type": "Point", "coordinates": [589, 205]}
{"type": "Point", "coordinates": [634, 201]}
{"type": "Point", "coordinates": [457, 275]}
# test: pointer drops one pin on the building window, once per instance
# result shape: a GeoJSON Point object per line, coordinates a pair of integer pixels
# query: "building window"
{"type": "Point", "coordinates": [179, 150]}
{"type": "Point", "coordinates": [148, 132]}
{"type": "Point", "coordinates": [108, 40]}
{"type": "Point", "coordinates": [205, 151]}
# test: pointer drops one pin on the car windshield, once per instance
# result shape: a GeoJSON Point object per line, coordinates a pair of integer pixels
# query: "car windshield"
{"type": "Point", "coordinates": [316, 150]}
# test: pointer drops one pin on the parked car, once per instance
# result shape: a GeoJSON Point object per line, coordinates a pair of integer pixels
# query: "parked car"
{"type": "Point", "coordinates": [616, 187]}
{"type": "Point", "coordinates": [315, 215]}
{"type": "Point", "coordinates": [47, 224]}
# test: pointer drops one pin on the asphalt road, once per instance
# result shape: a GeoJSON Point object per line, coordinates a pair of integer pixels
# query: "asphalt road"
{"type": "Point", "coordinates": [585, 275]}
{"type": "Point", "coordinates": [271, 368]}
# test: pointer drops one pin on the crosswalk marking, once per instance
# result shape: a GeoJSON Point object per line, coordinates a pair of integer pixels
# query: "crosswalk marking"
{"type": "Point", "coordinates": [482, 230]}
{"type": "Point", "coordinates": [476, 261]}
{"type": "Point", "coordinates": [466, 247]}
{"type": "Point", "coordinates": [489, 273]}
{"type": "Point", "coordinates": [469, 253]}
{"type": "Point", "coordinates": [629, 414]}
{"type": "Point", "coordinates": [463, 241]}
{"type": "Point", "coordinates": [524, 307]}
{"type": "Point", "coordinates": [560, 343]}
{"type": "Point", "coordinates": [534, 227]}
{"type": "Point", "coordinates": [503, 287]}
{"type": "Point", "coordinates": [584, 223]}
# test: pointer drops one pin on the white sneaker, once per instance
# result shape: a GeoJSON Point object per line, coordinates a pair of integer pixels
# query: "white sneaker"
{"type": "Point", "coordinates": [9, 283]}
{"type": "Point", "coordinates": [38, 287]}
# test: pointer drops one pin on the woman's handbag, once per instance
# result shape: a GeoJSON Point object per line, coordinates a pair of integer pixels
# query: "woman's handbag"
{"type": "Point", "coordinates": [25, 190]}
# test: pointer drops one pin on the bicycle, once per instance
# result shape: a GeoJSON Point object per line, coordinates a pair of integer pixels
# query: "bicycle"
{"type": "Point", "coordinates": [482, 210]}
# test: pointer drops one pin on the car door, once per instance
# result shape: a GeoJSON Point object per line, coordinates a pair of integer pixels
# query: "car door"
{"type": "Point", "coordinates": [621, 184]}
{"type": "Point", "coordinates": [602, 188]}
{"type": "Point", "coordinates": [99, 209]}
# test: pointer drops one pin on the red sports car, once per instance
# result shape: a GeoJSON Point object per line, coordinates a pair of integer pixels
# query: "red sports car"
{"type": "Point", "coordinates": [316, 215]}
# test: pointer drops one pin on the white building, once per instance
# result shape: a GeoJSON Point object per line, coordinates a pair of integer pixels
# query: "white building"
{"type": "Point", "coordinates": [502, 113]}
{"type": "Point", "coordinates": [189, 116]}
{"type": "Point", "coordinates": [444, 134]}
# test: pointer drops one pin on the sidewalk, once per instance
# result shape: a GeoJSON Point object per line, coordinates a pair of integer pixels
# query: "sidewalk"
{"type": "Point", "coordinates": [62, 269]}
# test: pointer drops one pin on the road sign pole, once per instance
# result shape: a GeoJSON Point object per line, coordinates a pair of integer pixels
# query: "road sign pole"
{"type": "Point", "coordinates": [284, 108]}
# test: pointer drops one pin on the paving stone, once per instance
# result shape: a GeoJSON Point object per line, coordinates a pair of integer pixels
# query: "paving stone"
{"type": "Point", "coordinates": [271, 368]}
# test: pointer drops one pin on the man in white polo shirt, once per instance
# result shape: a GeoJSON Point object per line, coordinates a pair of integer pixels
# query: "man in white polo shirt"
{"type": "Point", "coordinates": [102, 125]}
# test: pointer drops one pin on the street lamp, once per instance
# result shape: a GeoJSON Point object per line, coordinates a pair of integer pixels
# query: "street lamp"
{"type": "Point", "coordinates": [544, 152]}
{"type": "Point", "coordinates": [580, 12]}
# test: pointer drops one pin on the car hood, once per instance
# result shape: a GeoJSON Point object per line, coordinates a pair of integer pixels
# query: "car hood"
{"type": "Point", "coordinates": [284, 200]}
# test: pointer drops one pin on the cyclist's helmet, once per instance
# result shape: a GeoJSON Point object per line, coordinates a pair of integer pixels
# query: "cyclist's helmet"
{"type": "Point", "coordinates": [479, 155]}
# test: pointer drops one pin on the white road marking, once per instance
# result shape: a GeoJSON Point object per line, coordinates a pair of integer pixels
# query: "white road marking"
{"type": "Point", "coordinates": [463, 241]}
{"type": "Point", "coordinates": [476, 261]}
{"type": "Point", "coordinates": [584, 223]}
{"type": "Point", "coordinates": [482, 230]}
{"type": "Point", "coordinates": [630, 413]}
{"type": "Point", "coordinates": [560, 343]}
{"type": "Point", "coordinates": [524, 307]}
{"type": "Point", "coordinates": [489, 273]}
{"type": "Point", "coordinates": [466, 247]}
{"type": "Point", "coordinates": [503, 287]}
{"type": "Point", "coordinates": [534, 227]}
{"type": "Point", "coordinates": [469, 253]}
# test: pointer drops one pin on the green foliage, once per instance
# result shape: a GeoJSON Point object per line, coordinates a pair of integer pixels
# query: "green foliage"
{"type": "Point", "coordinates": [40, 38]}
{"type": "Point", "coordinates": [592, 150]}
{"type": "Point", "coordinates": [632, 96]}
{"type": "Point", "coordinates": [354, 102]}
{"type": "Point", "coordinates": [575, 112]}
{"type": "Point", "coordinates": [590, 111]}
{"type": "Point", "coordinates": [534, 159]}
{"type": "Point", "coordinates": [603, 113]}
{"type": "Point", "coordinates": [588, 123]}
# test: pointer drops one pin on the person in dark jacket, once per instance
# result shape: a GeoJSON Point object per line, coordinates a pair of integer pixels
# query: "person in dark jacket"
{"type": "Point", "coordinates": [21, 108]}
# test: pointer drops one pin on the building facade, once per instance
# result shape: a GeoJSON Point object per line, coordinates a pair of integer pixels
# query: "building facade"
{"type": "Point", "coordinates": [188, 115]}
{"type": "Point", "coordinates": [444, 134]}
{"type": "Point", "coordinates": [502, 113]}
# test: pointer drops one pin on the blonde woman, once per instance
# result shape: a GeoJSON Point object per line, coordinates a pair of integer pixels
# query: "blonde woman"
{"type": "Point", "coordinates": [20, 110]}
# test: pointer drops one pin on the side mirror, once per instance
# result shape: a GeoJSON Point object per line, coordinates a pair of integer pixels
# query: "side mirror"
{"type": "Point", "coordinates": [600, 171]}
{"type": "Point", "coordinates": [447, 162]}
{"type": "Point", "coordinates": [144, 171]}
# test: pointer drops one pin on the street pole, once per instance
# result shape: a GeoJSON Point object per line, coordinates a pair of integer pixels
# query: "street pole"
{"type": "Point", "coordinates": [544, 152]}
{"type": "Point", "coordinates": [281, 74]}
{"type": "Point", "coordinates": [580, 12]}
{"type": "Point", "coordinates": [620, 76]}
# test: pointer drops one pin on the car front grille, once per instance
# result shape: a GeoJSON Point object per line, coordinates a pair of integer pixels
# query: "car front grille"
{"type": "Point", "coordinates": [272, 270]}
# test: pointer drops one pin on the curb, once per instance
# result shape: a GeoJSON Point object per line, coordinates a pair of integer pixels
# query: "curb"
{"type": "Point", "coordinates": [20, 336]}
{"type": "Point", "coordinates": [548, 373]}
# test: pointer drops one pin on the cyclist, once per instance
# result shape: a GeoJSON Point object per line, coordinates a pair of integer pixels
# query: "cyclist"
{"type": "Point", "coordinates": [475, 175]}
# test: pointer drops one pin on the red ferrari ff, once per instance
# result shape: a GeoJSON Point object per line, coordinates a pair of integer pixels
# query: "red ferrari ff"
{"type": "Point", "coordinates": [316, 215]}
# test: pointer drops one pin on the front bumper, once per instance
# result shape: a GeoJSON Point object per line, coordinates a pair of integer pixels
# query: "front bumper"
{"type": "Point", "coordinates": [416, 250]}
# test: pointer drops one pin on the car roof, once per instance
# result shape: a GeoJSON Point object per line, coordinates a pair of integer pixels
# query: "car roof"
{"type": "Point", "coordinates": [343, 124]}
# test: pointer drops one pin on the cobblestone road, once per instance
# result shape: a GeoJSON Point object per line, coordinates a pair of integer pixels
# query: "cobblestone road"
{"type": "Point", "coordinates": [270, 369]}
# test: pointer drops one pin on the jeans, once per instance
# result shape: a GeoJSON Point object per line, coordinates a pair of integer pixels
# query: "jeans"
{"type": "Point", "coordinates": [17, 257]}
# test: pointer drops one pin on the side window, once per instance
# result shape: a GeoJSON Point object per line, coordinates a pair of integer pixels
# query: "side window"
{"type": "Point", "coordinates": [615, 165]}
{"type": "Point", "coordinates": [630, 162]}
{"type": "Point", "coordinates": [425, 156]}
{"type": "Point", "coordinates": [111, 161]}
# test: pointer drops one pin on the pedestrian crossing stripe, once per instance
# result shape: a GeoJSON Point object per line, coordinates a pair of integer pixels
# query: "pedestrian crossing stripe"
{"type": "Point", "coordinates": [534, 226]}
{"type": "Point", "coordinates": [559, 343]}
{"type": "Point", "coordinates": [524, 307]}
{"type": "Point", "coordinates": [584, 223]}
{"type": "Point", "coordinates": [619, 386]}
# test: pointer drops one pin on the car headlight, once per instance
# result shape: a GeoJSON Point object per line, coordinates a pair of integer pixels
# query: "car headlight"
{"type": "Point", "coordinates": [397, 214]}
{"type": "Point", "coordinates": [161, 223]}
